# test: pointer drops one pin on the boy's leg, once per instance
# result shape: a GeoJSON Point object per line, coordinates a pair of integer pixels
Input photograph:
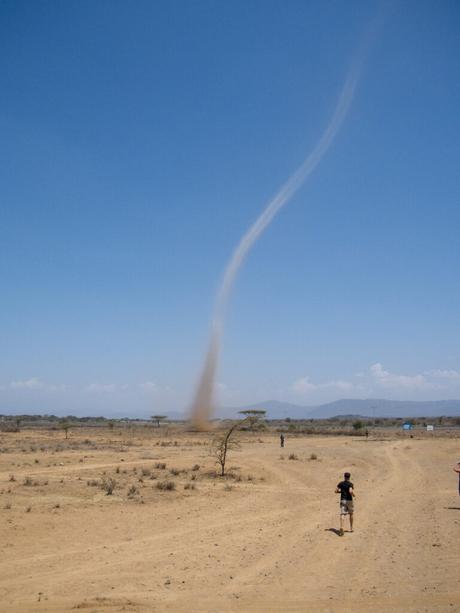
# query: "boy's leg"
{"type": "Point", "coordinates": [341, 520]}
{"type": "Point", "coordinates": [351, 522]}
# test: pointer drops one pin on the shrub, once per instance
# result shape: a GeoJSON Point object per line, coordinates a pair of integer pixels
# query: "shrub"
{"type": "Point", "coordinates": [108, 485]}
{"type": "Point", "coordinates": [211, 474]}
{"type": "Point", "coordinates": [196, 467]}
{"type": "Point", "coordinates": [132, 491]}
{"type": "Point", "coordinates": [92, 483]}
{"type": "Point", "coordinates": [12, 478]}
{"type": "Point", "coordinates": [9, 427]}
{"type": "Point", "coordinates": [189, 486]}
{"type": "Point", "coordinates": [166, 485]}
{"type": "Point", "coordinates": [27, 481]}
{"type": "Point", "coordinates": [146, 472]}
{"type": "Point", "coordinates": [292, 456]}
{"type": "Point", "coordinates": [313, 456]}
{"type": "Point", "coordinates": [29, 509]}
{"type": "Point", "coordinates": [175, 471]}
{"type": "Point", "coordinates": [160, 465]}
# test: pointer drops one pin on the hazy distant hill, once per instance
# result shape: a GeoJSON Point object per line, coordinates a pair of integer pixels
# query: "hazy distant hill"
{"type": "Point", "coordinates": [371, 407]}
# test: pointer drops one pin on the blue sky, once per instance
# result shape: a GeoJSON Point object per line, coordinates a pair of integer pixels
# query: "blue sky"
{"type": "Point", "coordinates": [140, 140]}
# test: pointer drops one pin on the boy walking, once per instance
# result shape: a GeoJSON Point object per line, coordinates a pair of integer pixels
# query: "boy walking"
{"type": "Point", "coordinates": [457, 470]}
{"type": "Point", "coordinates": [346, 490]}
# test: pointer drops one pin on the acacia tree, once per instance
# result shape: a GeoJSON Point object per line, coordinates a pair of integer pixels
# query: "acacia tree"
{"type": "Point", "coordinates": [223, 443]}
{"type": "Point", "coordinates": [158, 419]}
{"type": "Point", "coordinates": [65, 425]}
{"type": "Point", "coordinates": [253, 416]}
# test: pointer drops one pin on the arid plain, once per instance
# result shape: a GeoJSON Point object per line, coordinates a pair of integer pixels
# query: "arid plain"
{"type": "Point", "coordinates": [264, 538]}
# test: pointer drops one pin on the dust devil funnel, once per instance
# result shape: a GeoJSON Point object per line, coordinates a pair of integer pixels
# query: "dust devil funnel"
{"type": "Point", "coordinates": [203, 403]}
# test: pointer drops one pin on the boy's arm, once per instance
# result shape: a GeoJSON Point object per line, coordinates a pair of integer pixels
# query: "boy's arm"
{"type": "Point", "coordinates": [457, 468]}
{"type": "Point", "coordinates": [352, 492]}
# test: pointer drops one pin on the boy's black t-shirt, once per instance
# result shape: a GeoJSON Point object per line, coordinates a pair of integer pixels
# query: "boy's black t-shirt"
{"type": "Point", "coordinates": [344, 487]}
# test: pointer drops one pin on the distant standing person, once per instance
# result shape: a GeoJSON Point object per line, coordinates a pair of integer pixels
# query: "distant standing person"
{"type": "Point", "coordinates": [457, 470]}
{"type": "Point", "coordinates": [282, 440]}
{"type": "Point", "coordinates": [346, 490]}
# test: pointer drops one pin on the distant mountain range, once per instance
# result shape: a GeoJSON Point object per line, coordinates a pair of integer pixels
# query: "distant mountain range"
{"type": "Point", "coordinates": [370, 407]}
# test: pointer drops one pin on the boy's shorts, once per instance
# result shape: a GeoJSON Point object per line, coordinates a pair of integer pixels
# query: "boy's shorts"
{"type": "Point", "coordinates": [346, 507]}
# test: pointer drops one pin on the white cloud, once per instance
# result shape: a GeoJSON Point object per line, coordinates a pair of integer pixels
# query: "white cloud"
{"type": "Point", "coordinates": [378, 371]}
{"type": "Point", "coordinates": [305, 386]}
{"type": "Point", "coordinates": [34, 383]}
{"type": "Point", "coordinates": [450, 375]}
{"type": "Point", "coordinates": [387, 379]}
{"type": "Point", "coordinates": [378, 380]}
{"type": "Point", "coordinates": [149, 386]}
{"type": "Point", "coordinates": [101, 387]}
{"type": "Point", "coordinates": [340, 385]}
{"type": "Point", "coordinates": [30, 384]}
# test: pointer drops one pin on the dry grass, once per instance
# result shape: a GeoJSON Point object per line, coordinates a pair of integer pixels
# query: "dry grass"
{"type": "Point", "coordinates": [167, 486]}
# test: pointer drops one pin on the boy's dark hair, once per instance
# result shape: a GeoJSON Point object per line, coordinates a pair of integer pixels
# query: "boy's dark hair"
{"type": "Point", "coordinates": [347, 475]}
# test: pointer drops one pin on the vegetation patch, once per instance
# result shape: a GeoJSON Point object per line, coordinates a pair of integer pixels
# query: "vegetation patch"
{"type": "Point", "coordinates": [168, 486]}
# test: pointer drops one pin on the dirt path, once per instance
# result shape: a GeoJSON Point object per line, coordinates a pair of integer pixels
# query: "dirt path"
{"type": "Point", "coordinates": [264, 544]}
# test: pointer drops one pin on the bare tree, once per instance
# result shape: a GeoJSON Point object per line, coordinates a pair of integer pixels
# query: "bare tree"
{"type": "Point", "coordinates": [223, 443]}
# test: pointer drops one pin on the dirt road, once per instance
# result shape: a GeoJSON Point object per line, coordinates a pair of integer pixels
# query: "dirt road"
{"type": "Point", "coordinates": [265, 541]}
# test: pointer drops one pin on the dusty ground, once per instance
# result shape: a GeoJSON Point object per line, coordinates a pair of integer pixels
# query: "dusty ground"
{"type": "Point", "coordinates": [263, 541]}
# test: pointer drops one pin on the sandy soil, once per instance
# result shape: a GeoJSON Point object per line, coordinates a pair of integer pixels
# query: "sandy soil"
{"type": "Point", "coordinates": [263, 540]}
